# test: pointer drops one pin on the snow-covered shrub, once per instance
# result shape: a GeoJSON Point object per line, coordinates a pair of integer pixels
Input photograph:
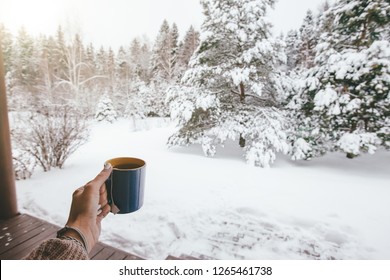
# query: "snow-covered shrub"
{"type": "Point", "coordinates": [51, 135]}
{"type": "Point", "coordinates": [105, 110]}
{"type": "Point", "coordinates": [23, 163]}
{"type": "Point", "coordinates": [353, 143]}
{"type": "Point", "coordinates": [300, 150]}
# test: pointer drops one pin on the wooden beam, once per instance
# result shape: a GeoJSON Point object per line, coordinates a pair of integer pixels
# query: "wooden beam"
{"type": "Point", "coordinates": [8, 205]}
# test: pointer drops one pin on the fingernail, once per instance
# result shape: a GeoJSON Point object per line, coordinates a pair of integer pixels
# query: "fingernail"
{"type": "Point", "coordinates": [107, 165]}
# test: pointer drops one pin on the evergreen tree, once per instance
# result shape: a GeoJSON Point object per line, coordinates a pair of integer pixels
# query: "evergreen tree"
{"type": "Point", "coordinates": [122, 85]}
{"type": "Point", "coordinates": [7, 47]}
{"type": "Point", "coordinates": [137, 101]}
{"type": "Point", "coordinates": [164, 53]}
{"type": "Point", "coordinates": [47, 48]}
{"type": "Point", "coordinates": [145, 62]}
{"type": "Point", "coordinates": [111, 69]}
{"type": "Point", "coordinates": [292, 49]}
{"type": "Point", "coordinates": [102, 69]}
{"type": "Point", "coordinates": [25, 60]}
{"type": "Point", "coordinates": [187, 49]}
{"type": "Point", "coordinates": [105, 109]}
{"type": "Point", "coordinates": [122, 64]}
{"type": "Point", "coordinates": [123, 76]}
{"type": "Point", "coordinates": [101, 61]}
{"type": "Point", "coordinates": [230, 91]}
{"type": "Point", "coordinates": [163, 61]}
{"type": "Point", "coordinates": [158, 63]}
{"type": "Point", "coordinates": [346, 95]}
{"type": "Point", "coordinates": [61, 68]}
{"type": "Point", "coordinates": [173, 45]}
{"type": "Point", "coordinates": [325, 19]}
{"type": "Point", "coordinates": [90, 61]}
{"type": "Point", "coordinates": [135, 58]}
{"type": "Point", "coordinates": [307, 41]}
{"type": "Point", "coordinates": [6, 44]}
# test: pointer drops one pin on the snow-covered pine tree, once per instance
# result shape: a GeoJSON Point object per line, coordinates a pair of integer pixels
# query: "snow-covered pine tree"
{"type": "Point", "coordinates": [292, 49]}
{"type": "Point", "coordinates": [346, 95]}
{"type": "Point", "coordinates": [230, 91]}
{"type": "Point", "coordinates": [140, 60]}
{"type": "Point", "coordinates": [101, 61]}
{"type": "Point", "coordinates": [61, 69]}
{"type": "Point", "coordinates": [187, 49]}
{"type": "Point", "coordinates": [307, 41]}
{"type": "Point", "coordinates": [324, 19]}
{"type": "Point", "coordinates": [111, 69]}
{"type": "Point", "coordinates": [163, 62]}
{"type": "Point", "coordinates": [25, 60]}
{"type": "Point", "coordinates": [122, 65]}
{"type": "Point", "coordinates": [105, 110]}
{"type": "Point", "coordinates": [47, 78]}
{"type": "Point", "coordinates": [145, 74]}
{"type": "Point", "coordinates": [6, 44]}
{"type": "Point", "coordinates": [142, 101]}
{"type": "Point", "coordinates": [174, 46]}
{"type": "Point", "coordinates": [164, 53]}
{"type": "Point", "coordinates": [90, 61]}
{"type": "Point", "coordinates": [135, 56]}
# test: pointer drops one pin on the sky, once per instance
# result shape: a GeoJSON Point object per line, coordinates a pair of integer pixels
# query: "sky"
{"type": "Point", "coordinates": [116, 22]}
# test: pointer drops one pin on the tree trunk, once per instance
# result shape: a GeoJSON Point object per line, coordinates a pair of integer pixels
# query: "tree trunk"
{"type": "Point", "coordinates": [242, 141]}
{"type": "Point", "coordinates": [242, 98]}
{"type": "Point", "coordinates": [242, 92]}
{"type": "Point", "coordinates": [351, 155]}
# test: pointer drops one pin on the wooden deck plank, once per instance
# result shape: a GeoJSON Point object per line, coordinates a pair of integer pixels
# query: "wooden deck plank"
{"type": "Point", "coordinates": [25, 248]}
{"type": "Point", "coordinates": [118, 255]}
{"type": "Point", "coordinates": [14, 225]}
{"type": "Point", "coordinates": [14, 234]}
{"type": "Point", "coordinates": [104, 254]}
{"type": "Point", "coordinates": [170, 258]}
{"type": "Point", "coordinates": [26, 234]}
{"type": "Point", "coordinates": [8, 224]}
{"type": "Point", "coordinates": [95, 250]}
{"type": "Point", "coordinates": [187, 257]}
{"type": "Point", "coordinates": [21, 234]}
{"type": "Point", "coordinates": [133, 257]}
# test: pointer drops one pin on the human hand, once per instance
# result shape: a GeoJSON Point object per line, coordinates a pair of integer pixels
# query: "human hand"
{"type": "Point", "coordinates": [88, 209]}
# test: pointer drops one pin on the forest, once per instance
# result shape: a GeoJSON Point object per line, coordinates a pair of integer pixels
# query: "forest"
{"type": "Point", "coordinates": [322, 88]}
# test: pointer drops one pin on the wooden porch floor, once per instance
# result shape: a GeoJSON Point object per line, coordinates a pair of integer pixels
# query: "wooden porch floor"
{"type": "Point", "coordinates": [21, 234]}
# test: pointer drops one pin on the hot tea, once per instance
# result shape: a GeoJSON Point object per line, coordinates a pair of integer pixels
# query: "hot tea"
{"type": "Point", "coordinates": [127, 166]}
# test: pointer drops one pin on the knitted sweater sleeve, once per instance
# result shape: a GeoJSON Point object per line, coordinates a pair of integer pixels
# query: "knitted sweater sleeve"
{"type": "Point", "coordinates": [59, 249]}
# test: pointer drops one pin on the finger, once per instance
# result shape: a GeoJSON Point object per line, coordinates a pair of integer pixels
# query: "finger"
{"type": "Point", "coordinates": [103, 195]}
{"type": "Point", "coordinates": [100, 178]}
{"type": "Point", "coordinates": [99, 210]}
{"type": "Point", "coordinates": [105, 210]}
{"type": "Point", "coordinates": [78, 191]}
{"type": "Point", "coordinates": [103, 189]}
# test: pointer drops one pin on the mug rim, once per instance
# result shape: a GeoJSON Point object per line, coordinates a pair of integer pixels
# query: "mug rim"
{"type": "Point", "coordinates": [128, 160]}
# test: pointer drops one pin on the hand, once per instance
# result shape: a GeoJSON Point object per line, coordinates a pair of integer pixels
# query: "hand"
{"type": "Point", "coordinates": [89, 207]}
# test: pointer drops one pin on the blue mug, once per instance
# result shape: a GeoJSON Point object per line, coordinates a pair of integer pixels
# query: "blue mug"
{"type": "Point", "coordinates": [125, 186]}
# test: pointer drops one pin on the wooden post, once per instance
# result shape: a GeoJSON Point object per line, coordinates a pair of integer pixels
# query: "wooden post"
{"type": "Point", "coordinates": [8, 205]}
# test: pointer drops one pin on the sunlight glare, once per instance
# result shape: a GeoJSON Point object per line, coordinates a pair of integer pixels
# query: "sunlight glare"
{"type": "Point", "coordinates": [38, 16]}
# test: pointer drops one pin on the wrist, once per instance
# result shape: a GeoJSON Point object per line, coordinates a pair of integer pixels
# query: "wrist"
{"type": "Point", "coordinates": [75, 233]}
{"type": "Point", "coordinates": [87, 229]}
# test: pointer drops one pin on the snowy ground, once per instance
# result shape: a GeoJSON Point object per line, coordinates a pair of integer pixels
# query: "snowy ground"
{"type": "Point", "coordinates": [221, 207]}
